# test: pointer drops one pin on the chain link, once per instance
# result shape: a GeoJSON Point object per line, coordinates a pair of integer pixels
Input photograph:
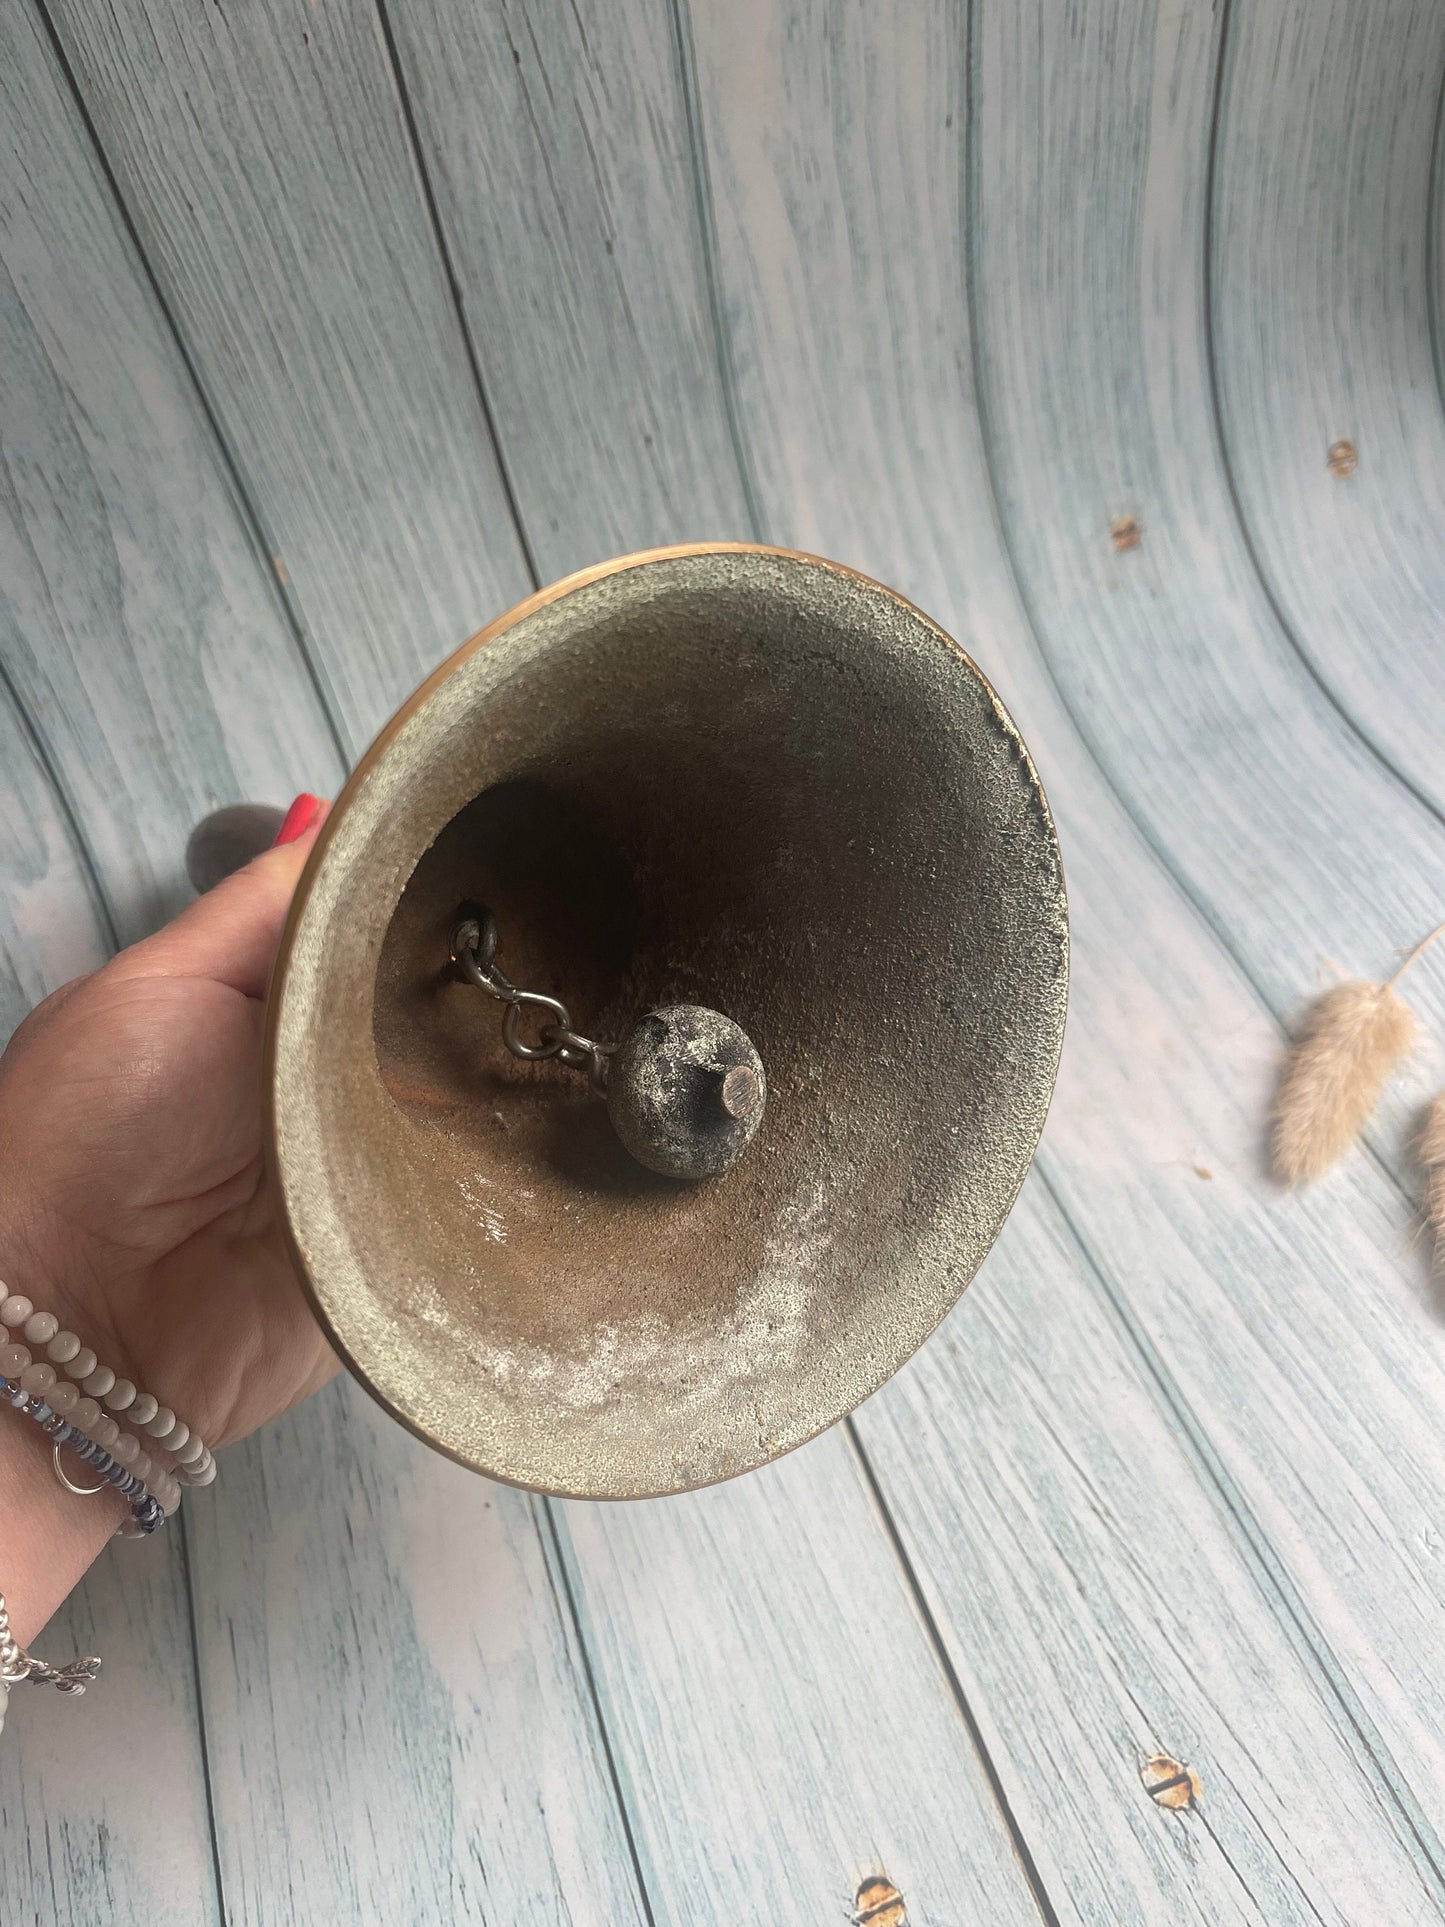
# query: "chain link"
{"type": "Point", "coordinates": [475, 941]}
{"type": "Point", "coordinates": [16, 1664]}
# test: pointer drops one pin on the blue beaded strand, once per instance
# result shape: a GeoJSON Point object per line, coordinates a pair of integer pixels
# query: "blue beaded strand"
{"type": "Point", "coordinates": [146, 1509]}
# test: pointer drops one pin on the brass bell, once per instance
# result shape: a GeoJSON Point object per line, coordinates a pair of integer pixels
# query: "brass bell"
{"type": "Point", "coordinates": [724, 780]}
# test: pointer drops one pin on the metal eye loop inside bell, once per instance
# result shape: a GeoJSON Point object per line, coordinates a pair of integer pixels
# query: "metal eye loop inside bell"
{"type": "Point", "coordinates": [475, 934]}
{"type": "Point", "coordinates": [492, 980]}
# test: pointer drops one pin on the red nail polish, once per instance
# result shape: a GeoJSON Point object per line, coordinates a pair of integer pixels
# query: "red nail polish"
{"type": "Point", "coordinates": [298, 819]}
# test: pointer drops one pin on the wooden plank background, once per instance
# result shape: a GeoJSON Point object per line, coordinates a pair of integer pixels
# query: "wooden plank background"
{"type": "Point", "coordinates": [331, 325]}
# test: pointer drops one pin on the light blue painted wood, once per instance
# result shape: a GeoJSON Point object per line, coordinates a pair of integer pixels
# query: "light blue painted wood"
{"type": "Point", "coordinates": [147, 633]}
{"type": "Point", "coordinates": [1168, 654]}
{"type": "Point", "coordinates": [1251, 1313]}
{"type": "Point", "coordinates": [392, 1697]}
{"type": "Point", "coordinates": [139, 625]}
{"type": "Point", "coordinates": [558, 144]}
{"type": "Point", "coordinates": [834, 148]}
{"type": "Point", "coordinates": [133, 613]}
{"type": "Point", "coordinates": [1164, 1381]}
{"type": "Point", "coordinates": [348, 1862]}
{"type": "Point", "coordinates": [52, 924]}
{"type": "Point", "coordinates": [398, 1721]}
{"type": "Point", "coordinates": [1283, 825]}
{"type": "Point", "coordinates": [780, 1720]}
{"type": "Point", "coordinates": [103, 1799]}
{"type": "Point", "coordinates": [1100, 1608]}
{"type": "Point", "coordinates": [1321, 310]}
{"type": "Point", "coordinates": [264, 156]}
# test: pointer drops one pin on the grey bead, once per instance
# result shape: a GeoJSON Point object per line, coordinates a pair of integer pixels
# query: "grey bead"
{"type": "Point", "coordinates": [686, 1091]}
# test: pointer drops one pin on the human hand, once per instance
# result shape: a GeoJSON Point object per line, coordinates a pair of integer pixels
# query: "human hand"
{"type": "Point", "coordinates": [130, 1138]}
{"type": "Point", "coordinates": [134, 1204]}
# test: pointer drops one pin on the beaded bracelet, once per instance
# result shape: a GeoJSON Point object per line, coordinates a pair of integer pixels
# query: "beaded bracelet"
{"type": "Point", "coordinates": [71, 1417]}
{"type": "Point", "coordinates": [78, 1406]}
{"type": "Point", "coordinates": [147, 1511]}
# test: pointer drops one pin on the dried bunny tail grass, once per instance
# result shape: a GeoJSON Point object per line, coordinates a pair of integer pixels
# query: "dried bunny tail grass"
{"type": "Point", "coordinates": [1432, 1158]}
{"type": "Point", "coordinates": [1351, 1040]}
{"type": "Point", "coordinates": [1420, 948]}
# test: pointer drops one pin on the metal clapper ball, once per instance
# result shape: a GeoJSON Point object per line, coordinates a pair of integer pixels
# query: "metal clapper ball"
{"type": "Point", "coordinates": [685, 1091]}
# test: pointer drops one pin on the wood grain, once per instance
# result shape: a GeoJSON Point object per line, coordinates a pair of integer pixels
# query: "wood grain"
{"type": "Point", "coordinates": [103, 1813]}
{"type": "Point", "coordinates": [398, 1720]}
{"type": "Point", "coordinates": [763, 1760]}
{"type": "Point", "coordinates": [140, 625]}
{"type": "Point", "coordinates": [1099, 1607]}
{"type": "Point", "coordinates": [557, 140]}
{"type": "Point", "coordinates": [264, 157]}
{"type": "Point", "coordinates": [51, 924]}
{"type": "Point", "coordinates": [134, 609]}
{"type": "Point", "coordinates": [350, 1859]}
{"type": "Point", "coordinates": [1321, 331]}
{"type": "Point", "coordinates": [1292, 839]}
{"type": "Point", "coordinates": [933, 283]}
{"type": "Point", "coordinates": [1286, 830]}
{"type": "Point", "coordinates": [1169, 655]}
{"type": "Point", "coordinates": [1170, 1051]}
{"type": "Point", "coordinates": [164, 675]}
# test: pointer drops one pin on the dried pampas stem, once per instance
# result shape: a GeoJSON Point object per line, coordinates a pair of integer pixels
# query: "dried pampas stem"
{"type": "Point", "coordinates": [1432, 1157]}
{"type": "Point", "coordinates": [1351, 1040]}
{"type": "Point", "coordinates": [1420, 948]}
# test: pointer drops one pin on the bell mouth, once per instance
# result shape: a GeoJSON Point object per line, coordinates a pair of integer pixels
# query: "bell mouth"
{"type": "Point", "coordinates": [728, 776]}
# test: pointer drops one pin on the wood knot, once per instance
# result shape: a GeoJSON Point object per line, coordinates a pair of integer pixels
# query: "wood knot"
{"type": "Point", "coordinates": [1169, 1783]}
{"type": "Point", "coordinates": [1343, 458]}
{"type": "Point", "coordinates": [1126, 532]}
{"type": "Point", "coordinates": [878, 1903]}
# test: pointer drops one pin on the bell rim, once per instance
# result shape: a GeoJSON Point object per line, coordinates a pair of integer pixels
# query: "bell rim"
{"type": "Point", "coordinates": [395, 724]}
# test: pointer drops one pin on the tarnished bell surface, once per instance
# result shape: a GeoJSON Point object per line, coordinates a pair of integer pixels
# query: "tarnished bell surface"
{"type": "Point", "coordinates": [731, 778]}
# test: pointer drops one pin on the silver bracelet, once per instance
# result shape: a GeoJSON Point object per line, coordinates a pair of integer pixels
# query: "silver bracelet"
{"type": "Point", "coordinates": [16, 1665]}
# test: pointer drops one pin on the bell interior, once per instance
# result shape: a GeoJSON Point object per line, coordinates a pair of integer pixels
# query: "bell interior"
{"type": "Point", "coordinates": [734, 778]}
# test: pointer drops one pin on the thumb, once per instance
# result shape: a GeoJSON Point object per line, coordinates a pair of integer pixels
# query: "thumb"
{"type": "Point", "coordinates": [229, 935]}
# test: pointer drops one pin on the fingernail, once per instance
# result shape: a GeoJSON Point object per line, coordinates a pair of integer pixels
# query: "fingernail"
{"type": "Point", "coordinates": [298, 819]}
